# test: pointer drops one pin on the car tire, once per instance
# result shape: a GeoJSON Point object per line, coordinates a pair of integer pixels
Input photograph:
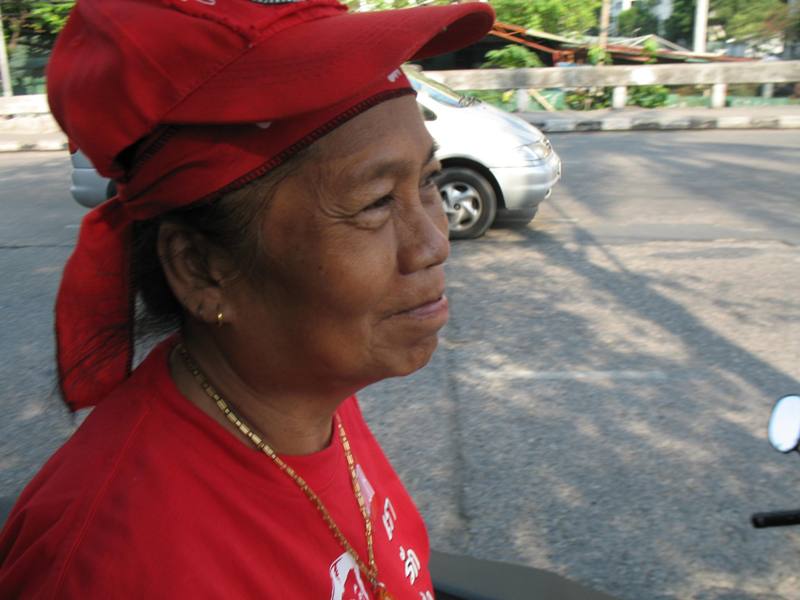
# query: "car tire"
{"type": "Point", "coordinates": [468, 200]}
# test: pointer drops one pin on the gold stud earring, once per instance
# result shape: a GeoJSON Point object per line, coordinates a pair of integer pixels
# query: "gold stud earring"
{"type": "Point", "coordinates": [220, 318]}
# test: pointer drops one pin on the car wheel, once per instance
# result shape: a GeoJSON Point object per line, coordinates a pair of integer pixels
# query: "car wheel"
{"type": "Point", "coordinates": [469, 202]}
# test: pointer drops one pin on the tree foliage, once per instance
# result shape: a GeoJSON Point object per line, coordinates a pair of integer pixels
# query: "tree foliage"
{"type": "Point", "coordinates": [512, 56]}
{"type": "Point", "coordinates": [554, 16]}
{"type": "Point", "coordinates": [750, 19]}
{"type": "Point", "coordinates": [678, 27]}
{"type": "Point", "coordinates": [640, 19]}
{"type": "Point", "coordinates": [34, 21]}
{"type": "Point", "coordinates": [597, 55]}
{"type": "Point", "coordinates": [740, 19]}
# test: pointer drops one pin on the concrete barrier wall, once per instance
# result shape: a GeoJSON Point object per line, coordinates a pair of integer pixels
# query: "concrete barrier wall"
{"type": "Point", "coordinates": [621, 75]}
{"type": "Point", "coordinates": [27, 116]}
{"type": "Point", "coordinates": [24, 105]}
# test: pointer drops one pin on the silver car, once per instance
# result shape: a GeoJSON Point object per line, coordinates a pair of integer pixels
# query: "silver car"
{"type": "Point", "coordinates": [88, 187]}
{"type": "Point", "coordinates": [495, 166]}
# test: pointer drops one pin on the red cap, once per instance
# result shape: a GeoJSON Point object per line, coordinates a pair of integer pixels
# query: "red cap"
{"type": "Point", "coordinates": [121, 67]}
{"type": "Point", "coordinates": [216, 93]}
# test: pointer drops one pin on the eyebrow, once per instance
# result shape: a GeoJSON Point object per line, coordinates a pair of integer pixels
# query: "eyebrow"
{"type": "Point", "coordinates": [380, 169]}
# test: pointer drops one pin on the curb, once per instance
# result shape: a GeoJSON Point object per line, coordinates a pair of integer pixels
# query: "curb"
{"type": "Point", "coordinates": [40, 146]}
{"type": "Point", "coordinates": [660, 123]}
{"type": "Point", "coordinates": [54, 141]}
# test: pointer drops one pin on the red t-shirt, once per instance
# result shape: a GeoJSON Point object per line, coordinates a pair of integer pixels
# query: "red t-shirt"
{"type": "Point", "coordinates": [151, 498]}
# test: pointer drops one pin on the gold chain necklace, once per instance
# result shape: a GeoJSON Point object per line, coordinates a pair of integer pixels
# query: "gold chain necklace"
{"type": "Point", "coordinates": [370, 571]}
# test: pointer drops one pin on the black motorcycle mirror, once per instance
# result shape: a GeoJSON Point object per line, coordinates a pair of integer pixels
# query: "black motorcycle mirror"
{"type": "Point", "coordinates": [784, 435]}
{"type": "Point", "coordinates": [784, 424]}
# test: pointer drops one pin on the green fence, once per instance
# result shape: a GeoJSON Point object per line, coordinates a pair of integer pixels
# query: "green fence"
{"type": "Point", "coordinates": [557, 99]}
{"type": "Point", "coordinates": [27, 65]}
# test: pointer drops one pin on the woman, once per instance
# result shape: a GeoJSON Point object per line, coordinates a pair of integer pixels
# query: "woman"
{"type": "Point", "coordinates": [277, 205]}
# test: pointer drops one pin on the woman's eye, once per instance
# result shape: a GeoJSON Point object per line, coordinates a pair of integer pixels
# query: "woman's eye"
{"type": "Point", "coordinates": [380, 203]}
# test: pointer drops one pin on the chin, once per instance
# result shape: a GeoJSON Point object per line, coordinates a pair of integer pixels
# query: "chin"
{"type": "Point", "coordinates": [415, 358]}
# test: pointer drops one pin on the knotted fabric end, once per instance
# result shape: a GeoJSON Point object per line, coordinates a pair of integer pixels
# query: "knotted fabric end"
{"type": "Point", "coordinates": [94, 309]}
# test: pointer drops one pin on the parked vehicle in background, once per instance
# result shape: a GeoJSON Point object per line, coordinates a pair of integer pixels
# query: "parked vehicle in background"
{"type": "Point", "coordinates": [89, 188]}
{"type": "Point", "coordinates": [496, 168]}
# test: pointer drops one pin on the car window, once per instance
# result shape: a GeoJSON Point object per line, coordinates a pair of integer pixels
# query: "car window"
{"type": "Point", "coordinates": [427, 113]}
{"type": "Point", "coordinates": [437, 91]}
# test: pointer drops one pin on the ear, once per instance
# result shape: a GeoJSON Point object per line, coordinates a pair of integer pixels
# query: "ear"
{"type": "Point", "coordinates": [196, 271]}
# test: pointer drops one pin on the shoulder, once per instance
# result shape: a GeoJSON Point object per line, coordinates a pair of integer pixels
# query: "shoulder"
{"type": "Point", "coordinates": [52, 516]}
{"type": "Point", "coordinates": [66, 506]}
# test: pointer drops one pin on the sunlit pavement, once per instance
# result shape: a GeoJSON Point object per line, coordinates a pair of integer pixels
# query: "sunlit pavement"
{"type": "Point", "coordinates": [598, 405]}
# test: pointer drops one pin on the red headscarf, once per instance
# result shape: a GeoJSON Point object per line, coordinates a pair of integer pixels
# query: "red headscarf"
{"type": "Point", "coordinates": [210, 95]}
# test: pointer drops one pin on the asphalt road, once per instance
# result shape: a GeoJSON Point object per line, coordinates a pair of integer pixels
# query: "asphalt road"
{"type": "Point", "coordinates": [599, 400]}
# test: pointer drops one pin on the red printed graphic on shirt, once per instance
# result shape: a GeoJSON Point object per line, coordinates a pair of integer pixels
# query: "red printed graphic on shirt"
{"type": "Point", "coordinates": [346, 579]}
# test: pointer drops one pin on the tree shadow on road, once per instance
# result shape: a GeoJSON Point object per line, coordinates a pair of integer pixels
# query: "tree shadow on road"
{"type": "Point", "coordinates": [759, 182]}
{"type": "Point", "coordinates": [630, 467]}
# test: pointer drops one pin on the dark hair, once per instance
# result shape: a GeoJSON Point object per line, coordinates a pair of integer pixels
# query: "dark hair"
{"type": "Point", "coordinates": [232, 222]}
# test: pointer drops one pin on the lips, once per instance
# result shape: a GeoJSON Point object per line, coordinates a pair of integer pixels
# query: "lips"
{"type": "Point", "coordinates": [429, 308]}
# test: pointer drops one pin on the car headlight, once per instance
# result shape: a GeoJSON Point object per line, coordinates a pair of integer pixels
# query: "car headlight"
{"type": "Point", "coordinates": [536, 151]}
{"type": "Point", "coordinates": [521, 156]}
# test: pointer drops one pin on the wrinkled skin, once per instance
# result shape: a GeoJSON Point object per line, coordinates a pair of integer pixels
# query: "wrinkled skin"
{"type": "Point", "coordinates": [353, 282]}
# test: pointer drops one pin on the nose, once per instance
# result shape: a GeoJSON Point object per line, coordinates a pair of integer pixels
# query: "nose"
{"type": "Point", "coordinates": [423, 236]}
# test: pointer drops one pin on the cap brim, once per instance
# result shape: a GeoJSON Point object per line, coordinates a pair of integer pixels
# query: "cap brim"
{"type": "Point", "coordinates": [324, 61]}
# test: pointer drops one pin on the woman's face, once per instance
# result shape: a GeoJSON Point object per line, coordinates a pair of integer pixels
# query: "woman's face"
{"type": "Point", "coordinates": [355, 242]}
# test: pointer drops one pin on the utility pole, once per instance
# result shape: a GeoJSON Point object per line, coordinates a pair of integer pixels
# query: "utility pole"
{"type": "Point", "coordinates": [605, 19]}
{"type": "Point", "coordinates": [700, 26]}
{"type": "Point", "coordinates": [5, 73]}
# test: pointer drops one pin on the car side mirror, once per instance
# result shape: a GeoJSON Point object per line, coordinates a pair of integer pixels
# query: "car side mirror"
{"type": "Point", "coordinates": [784, 424]}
